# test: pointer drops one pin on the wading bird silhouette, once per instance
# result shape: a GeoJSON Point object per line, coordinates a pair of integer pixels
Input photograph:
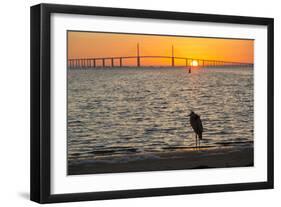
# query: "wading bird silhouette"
{"type": "Point", "coordinates": [197, 127]}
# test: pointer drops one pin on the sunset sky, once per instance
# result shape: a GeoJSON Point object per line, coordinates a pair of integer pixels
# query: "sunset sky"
{"type": "Point", "coordinates": [92, 44]}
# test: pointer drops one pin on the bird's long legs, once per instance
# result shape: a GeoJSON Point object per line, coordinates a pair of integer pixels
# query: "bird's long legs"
{"type": "Point", "coordinates": [197, 142]}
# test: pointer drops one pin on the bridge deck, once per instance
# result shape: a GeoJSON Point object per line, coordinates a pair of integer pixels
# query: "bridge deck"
{"type": "Point", "coordinates": [93, 62]}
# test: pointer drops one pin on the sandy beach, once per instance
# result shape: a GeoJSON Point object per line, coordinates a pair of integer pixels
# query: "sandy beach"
{"type": "Point", "coordinates": [174, 160]}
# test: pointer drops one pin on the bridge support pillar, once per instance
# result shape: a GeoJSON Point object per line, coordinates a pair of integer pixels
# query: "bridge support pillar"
{"type": "Point", "coordinates": [138, 55]}
{"type": "Point", "coordinates": [173, 57]}
{"type": "Point", "coordinates": [121, 64]}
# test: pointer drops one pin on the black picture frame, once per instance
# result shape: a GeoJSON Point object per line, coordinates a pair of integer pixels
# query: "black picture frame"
{"type": "Point", "coordinates": [40, 184]}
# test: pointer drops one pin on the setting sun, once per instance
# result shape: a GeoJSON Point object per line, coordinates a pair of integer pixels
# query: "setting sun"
{"type": "Point", "coordinates": [194, 63]}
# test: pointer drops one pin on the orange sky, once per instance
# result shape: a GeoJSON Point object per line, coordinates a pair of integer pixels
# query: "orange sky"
{"type": "Point", "coordinates": [92, 44]}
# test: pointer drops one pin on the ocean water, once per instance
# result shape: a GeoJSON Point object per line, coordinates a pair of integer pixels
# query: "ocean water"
{"type": "Point", "coordinates": [120, 112]}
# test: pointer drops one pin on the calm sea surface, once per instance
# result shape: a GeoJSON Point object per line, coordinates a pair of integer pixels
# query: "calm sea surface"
{"type": "Point", "coordinates": [130, 111]}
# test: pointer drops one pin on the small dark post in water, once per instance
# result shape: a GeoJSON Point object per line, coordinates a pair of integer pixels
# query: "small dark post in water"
{"type": "Point", "coordinates": [186, 62]}
{"type": "Point", "coordinates": [94, 62]}
{"type": "Point", "coordinates": [112, 62]}
{"type": "Point", "coordinates": [189, 70]}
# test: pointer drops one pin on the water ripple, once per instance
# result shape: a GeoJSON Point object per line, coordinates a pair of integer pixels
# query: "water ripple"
{"type": "Point", "coordinates": [124, 111]}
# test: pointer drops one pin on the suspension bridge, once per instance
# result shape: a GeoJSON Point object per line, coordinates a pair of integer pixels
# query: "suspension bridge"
{"type": "Point", "coordinates": [112, 62]}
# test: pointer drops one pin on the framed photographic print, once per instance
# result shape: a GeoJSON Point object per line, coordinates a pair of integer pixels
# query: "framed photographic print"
{"type": "Point", "coordinates": [133, 103]}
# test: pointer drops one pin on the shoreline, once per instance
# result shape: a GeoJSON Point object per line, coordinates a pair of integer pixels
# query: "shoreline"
{"type": "Point", "coordinates": [175, 160]}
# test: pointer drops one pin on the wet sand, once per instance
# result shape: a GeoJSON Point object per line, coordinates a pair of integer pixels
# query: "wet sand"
{"type": "Point", "coordinates": [175, 160]}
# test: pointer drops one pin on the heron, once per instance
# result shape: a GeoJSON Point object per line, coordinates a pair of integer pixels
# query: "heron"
{"type": "Point", "coordinates": [197, 127]}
